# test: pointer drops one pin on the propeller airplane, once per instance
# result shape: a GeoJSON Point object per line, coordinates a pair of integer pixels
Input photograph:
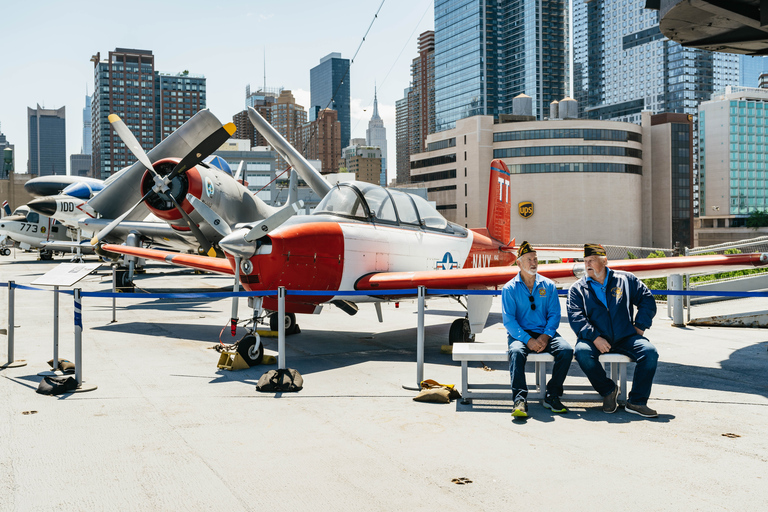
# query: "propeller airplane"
{"type": "Point", "coordinates": [364, 237]}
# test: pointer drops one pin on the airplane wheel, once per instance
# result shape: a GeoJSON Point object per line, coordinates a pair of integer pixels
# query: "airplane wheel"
{"type": "Point", "coordinates": [46, 255]}
{"type": "Point", "coordinates": [6, 252]}
{"type": "Point", "coordinates": [250, 350]}
{"type": "Point", "coordinates": [460, 332]}
{"type": "Point", "coordinates": [290, 323]}
{"type": "Point", "coordinates": [123, 284]}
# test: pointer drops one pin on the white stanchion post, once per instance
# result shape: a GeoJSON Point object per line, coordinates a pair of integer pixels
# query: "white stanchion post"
{"type": "Point", "coordinates": [78, 338]}
{"type": "Point", "coordinates": [420, 338]}
{"type": "Point", "coordinates": [114, 290]}
{"type": "Point", "coordinates": [55, 327]}
{"type": "Point", "coordinates": [281, 328]}
{"type": "Point", "coordinates": [676, 283]}
{"type": "Point", "coordinates": [11, 335]}
{"type": "Point", "coordinates": [11, 320]}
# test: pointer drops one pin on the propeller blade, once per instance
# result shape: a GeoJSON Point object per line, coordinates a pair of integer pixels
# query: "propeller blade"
{"type": "Point", "coordinates": [112, 225]}
{"type": "Point", "coordinates": [130, 141]}
{"type": "Point", "coordinates": [210, 216]}
{"type": "Point", "coordinates": [239, 170]}
{"type": "Point", "coordinates": [199, 236]}
{"type": "Point", "coordinates": [273, 221]}
{"type": "Point", "coordinates": [202, 150]}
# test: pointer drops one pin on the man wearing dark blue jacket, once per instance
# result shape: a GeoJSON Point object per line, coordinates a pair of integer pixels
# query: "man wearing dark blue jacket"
{"type": "Point", "coordinates": [601, 311]}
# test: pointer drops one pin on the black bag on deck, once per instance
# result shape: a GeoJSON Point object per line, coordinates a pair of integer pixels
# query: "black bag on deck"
{"type": "Point", "coordinates": [284, 379]}
{"type": "Point", "coordinates": [57, 385]}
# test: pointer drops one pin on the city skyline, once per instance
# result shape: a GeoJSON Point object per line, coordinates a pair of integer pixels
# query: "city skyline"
{"type": "Point", "coordinates": [57, 74]}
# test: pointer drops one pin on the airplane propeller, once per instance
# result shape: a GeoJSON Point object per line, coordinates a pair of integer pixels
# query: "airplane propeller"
{"type": "Point", "coordinates": [161, 186]}
{"type": "Point", "coordinates": [211, 217]}
{"type": "Point", "coordinates": [239, 243]}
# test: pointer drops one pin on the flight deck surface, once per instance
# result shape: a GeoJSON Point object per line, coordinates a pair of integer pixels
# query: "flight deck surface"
{"type": "Point", "coordinates": [167, 430]}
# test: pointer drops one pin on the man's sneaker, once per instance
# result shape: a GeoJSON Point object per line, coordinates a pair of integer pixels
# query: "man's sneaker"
{"type": "Point", "coordinates": [521, 409]}
{"type": "Point", "coordinates": [554, 404]}
{"type": "Point", "coordinates": [610, 402]}
{"type": "Point", "coordinates": [642, 410]}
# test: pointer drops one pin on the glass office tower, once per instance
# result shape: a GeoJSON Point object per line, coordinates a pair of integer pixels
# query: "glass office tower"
{"type": "Point", "coordinates": [487, 52]}
{"type": "Point", "coordinates": [330, 79]}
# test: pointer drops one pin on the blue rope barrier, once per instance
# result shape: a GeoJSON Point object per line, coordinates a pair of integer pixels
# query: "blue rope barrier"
{"type": "Point", "coordinates": [336, 293]}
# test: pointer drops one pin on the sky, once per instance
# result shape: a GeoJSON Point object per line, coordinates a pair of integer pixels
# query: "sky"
{"type": "Point", "coordinates": [46, 47]}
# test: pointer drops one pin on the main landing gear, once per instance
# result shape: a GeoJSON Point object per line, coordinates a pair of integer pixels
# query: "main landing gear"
{"type": "Point", "coordinates": [291, 327]}
{"type": "Point", "coordinates": [460, 332]}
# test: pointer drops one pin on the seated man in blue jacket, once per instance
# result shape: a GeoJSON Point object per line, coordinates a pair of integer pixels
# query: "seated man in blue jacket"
{"type": "Point", "coordinates": [531, 313]}
{"type": "Point", "coordinates": [601, 313]}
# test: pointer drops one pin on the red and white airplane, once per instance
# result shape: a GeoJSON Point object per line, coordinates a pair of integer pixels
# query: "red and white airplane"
{"type": "Point", "coordinates": [364, 237]}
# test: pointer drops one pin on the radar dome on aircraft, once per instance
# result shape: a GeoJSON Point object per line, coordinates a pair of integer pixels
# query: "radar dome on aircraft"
{"type": "Point", "coordinates": [219, 163]}
{"type": "Point", "coordinates": [82, 190]}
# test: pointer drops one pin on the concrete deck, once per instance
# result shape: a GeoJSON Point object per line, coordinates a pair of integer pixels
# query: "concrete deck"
{"type": "Point", "coordinates": [166, 430]}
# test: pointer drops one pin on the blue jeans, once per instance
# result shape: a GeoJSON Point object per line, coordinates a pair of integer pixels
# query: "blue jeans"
{"type": "Point", "coordinates": [638, 349]}
{"type": "Point", "coordinates": [518, 355]}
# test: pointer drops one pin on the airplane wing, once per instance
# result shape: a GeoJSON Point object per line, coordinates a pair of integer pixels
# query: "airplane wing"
{"type": "Point", "coordinates": [218, 265]}
{"type": "Point", "coordinates": [562, 273]}
{"type": "Point", "coordinates": [60, 245]}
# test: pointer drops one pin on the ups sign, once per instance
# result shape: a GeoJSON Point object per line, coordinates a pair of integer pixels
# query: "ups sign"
{"type": "Point", "coordinates": [525, 209]}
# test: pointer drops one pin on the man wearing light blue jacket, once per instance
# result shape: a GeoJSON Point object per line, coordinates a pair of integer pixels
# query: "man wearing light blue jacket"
{"type": "Point", "coordinates": [531, 314]}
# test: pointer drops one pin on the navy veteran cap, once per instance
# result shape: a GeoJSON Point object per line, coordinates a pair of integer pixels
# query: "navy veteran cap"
{"type": "Point", "coordinates": [525, 248]}
{"type": "Point", "coordinates": [594, 250]}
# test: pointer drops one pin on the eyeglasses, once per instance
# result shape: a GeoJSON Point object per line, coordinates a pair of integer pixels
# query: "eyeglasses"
{"type": "Point", "coordinates": [533, 306]}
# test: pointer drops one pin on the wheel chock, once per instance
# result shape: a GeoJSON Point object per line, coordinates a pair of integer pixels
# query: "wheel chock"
{"type": "Point", "coordinates": [446, 349]}
{"type": "Point", "coordinates": [267, 359]}
{"type": "Point", "coordinates": [231, 360]}
{"type": "Point", "coordinates": [267, 334]}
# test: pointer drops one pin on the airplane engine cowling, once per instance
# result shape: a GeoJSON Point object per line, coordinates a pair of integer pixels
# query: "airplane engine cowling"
{"type": "Point", "coordinates": [160, 204]}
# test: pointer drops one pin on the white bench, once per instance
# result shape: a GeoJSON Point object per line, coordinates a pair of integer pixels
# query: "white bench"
{"type": "Point", "coordinates": [498, 351]}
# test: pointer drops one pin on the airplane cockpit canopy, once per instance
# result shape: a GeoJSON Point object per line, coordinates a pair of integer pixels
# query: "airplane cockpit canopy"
{"type": "Point", "coordinates": [369, 202]}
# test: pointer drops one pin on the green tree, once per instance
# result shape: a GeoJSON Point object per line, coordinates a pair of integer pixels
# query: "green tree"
{"type": "Point", "coordinates": [757, 219]}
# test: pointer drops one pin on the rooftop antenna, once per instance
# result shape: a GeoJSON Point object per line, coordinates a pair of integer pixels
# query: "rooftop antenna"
{"type": "Point", "coordinates": [265, 69]}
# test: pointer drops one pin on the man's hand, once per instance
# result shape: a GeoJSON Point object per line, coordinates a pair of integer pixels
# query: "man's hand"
{"type": "Point", "coordinates": [639, 331]}
{"type": "Point", "coordinates": [602, 345]}
{"type": "Point", "coordinates": [536, 344]}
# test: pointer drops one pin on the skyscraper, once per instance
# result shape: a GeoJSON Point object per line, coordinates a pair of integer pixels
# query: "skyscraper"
{"type": "Point", "coordinates": [124, 84]}
{"type": "Point", "coordinates": [152, 104]}
{"type": "Point", "coordinates": [320, 140]}
{"type": "Point", "coordinates": [421, 98]}
{"type": "Point", "coordinates": [329, 88]}
{"type": "Point", "coordinates": [178, 96]}
{"type": "Point", "coordinates": [47, 141]}
{"type": "Point", "coordinates": [401, 139]}
{"type": "Point", "coordinates": [486, 53]}
{"type": "Point", "coordinates": [622, 64]}
{"type": "Point", "coordinates": [288, 118]}
{"type": "Point", "coordinates": [87, 133]}
{"type": "Point", "coordinates": [376, 135]}
{"type": "Point", "coordinates": [750, 69]}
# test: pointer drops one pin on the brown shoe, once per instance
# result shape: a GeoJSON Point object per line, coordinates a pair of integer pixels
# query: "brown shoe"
{"type": "Point", "coordinates": [610, 402]}
{"type": "Point", "coordinates": [642, 410]}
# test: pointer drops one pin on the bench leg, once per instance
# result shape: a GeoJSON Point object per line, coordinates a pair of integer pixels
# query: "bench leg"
{"type": "Point", "coordinates": [464, 384]}
{"type": "Point", "coordinates": [623, 379]}
{"type": "Point", "coordinates": [541, 378]}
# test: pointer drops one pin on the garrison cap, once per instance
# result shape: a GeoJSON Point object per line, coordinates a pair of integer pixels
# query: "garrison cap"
{"type": "Point", "coordinates": [525, 248]}
{"type": "Point", "coordinates": [594, 250]}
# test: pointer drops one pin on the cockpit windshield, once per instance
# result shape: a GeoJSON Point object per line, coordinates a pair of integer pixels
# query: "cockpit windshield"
{"type": "Point", "coordinates": [359, 200]}
{"type": "Point", "coordinates": [429, 216]}
{"type": "Point", "coordinates": [342, 200]}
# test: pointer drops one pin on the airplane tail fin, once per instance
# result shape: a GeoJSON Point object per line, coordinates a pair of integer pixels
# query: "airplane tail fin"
{"type": "Point", "coordinates": [498, 220]}
{"type": "Point", "coordinates": [6, 209]}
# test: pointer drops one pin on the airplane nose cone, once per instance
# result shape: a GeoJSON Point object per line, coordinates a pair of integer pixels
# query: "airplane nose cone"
{"type": "Point", "coordinates": [43, 205]}
{"type": "Point", "coordinates": [235, 244]}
